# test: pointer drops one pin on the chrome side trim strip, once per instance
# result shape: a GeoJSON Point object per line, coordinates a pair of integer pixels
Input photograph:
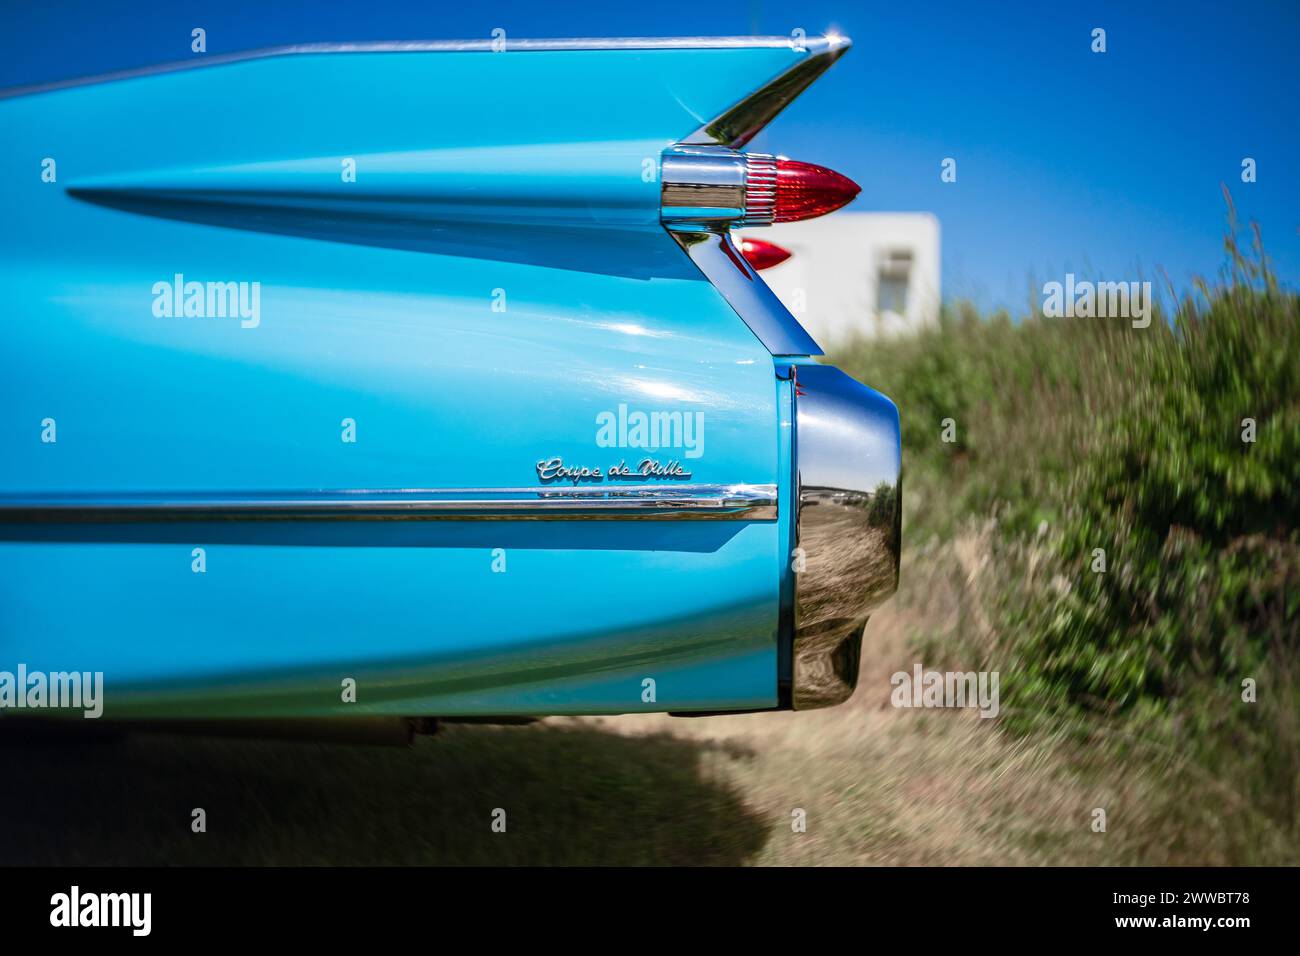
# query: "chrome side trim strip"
{"type": "Point", "coordinates": [817, 46]}
{"type": "Point", "coordinates": [658, 502]}
{"type": "Point", "coordinates": [742, 122]}
{"type": "Point", "coordinates": [723, 265]}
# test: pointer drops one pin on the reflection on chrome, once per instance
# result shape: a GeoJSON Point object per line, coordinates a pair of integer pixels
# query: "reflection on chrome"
{"type": "Point", "coordinates": [738, 125]}
{"type": "Point", "coordinates": [848, 528]}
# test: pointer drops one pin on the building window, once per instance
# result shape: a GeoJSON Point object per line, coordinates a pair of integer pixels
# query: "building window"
{"type": "Point", "coordinates": [893, 276]}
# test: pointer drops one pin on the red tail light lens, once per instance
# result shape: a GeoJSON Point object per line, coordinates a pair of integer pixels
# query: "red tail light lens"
{"type": "Point", "coordinates": [804, 190]}
{"type": "Point", "coordinates": [761, 254]}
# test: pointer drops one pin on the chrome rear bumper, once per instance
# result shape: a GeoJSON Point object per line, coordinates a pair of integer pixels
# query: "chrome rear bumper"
{"type": "Point", "coordinates": [847, 457]}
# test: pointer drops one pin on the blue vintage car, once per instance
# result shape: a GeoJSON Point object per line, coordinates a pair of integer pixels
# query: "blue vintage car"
{"type": "Point", "coordinates": [423, 380]}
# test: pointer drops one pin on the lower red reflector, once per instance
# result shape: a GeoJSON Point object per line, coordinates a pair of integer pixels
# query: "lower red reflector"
{"type": "Point", "coordinates": [761, 254]}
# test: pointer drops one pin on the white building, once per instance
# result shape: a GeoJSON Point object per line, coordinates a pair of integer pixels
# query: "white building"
{"type": "Point", "coordinates": [857, 273]}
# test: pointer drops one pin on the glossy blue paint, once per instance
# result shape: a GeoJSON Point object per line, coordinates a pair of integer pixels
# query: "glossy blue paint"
{"type": "Point", "coordinates": [494, 279]}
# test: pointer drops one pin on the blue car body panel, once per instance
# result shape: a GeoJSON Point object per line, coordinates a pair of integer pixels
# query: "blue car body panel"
{"type": "Point", "coordinates": [494, 279]}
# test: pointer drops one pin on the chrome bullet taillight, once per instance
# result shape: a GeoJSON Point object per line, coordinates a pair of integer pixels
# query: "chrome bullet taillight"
{"type": "Point", "coordinates": [712, 187]}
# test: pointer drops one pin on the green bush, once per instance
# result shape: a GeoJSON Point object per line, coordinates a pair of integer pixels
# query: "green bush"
{"type": "Point", "coordinates": [1085, 434]}
{"type": "Point", "coordinates": [1201, 528]}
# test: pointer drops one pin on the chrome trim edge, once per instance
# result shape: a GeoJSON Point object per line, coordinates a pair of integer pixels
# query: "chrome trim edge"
{"type": "Point", "coordinates": [717, 257]}
{"type": "Point", "coordinates": [743, 121]}
{"type": "Point", "coordinates": [702, 502]}
{"type": "Point", "coordinates": [817, 46]}
{"type": "Point", "coordinates": [848, 527]}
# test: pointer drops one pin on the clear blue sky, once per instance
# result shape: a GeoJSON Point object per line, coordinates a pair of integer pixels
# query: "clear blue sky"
{"type": "Point", "coordinates": [1067, 160]}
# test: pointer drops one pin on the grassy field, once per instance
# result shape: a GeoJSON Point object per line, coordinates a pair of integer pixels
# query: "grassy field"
{"type": "Point", "coordinates": [1121, 690]}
